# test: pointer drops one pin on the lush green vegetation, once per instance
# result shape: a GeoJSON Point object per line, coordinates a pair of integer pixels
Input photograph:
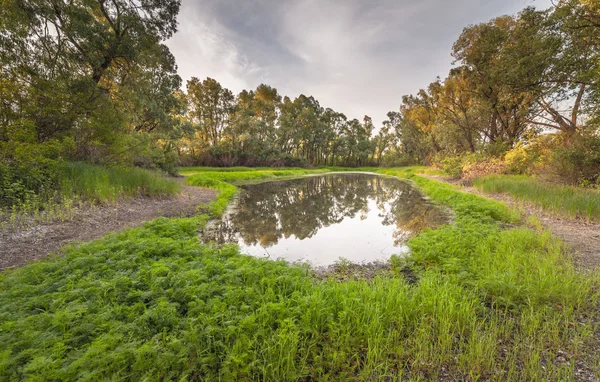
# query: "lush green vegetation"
{"type": "Point", "coordinates": [153, 303]}
{"type": "Point", "coordinates": [94, 82]}
{"type": "Point", "coordinates": [517, 78]}
{"type": "Point", "coordinates": [77, 184]}
{"type": "Point", "coordinates": [565, 200]}
{"type": "Point", "coordinates": [100, 184]}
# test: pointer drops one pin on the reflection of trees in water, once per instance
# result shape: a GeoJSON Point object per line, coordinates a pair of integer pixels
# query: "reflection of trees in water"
{"type": "Point", "coordinates": [269, 211]}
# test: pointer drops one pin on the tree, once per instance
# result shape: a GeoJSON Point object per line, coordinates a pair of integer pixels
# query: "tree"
{"type": "Point", "coordinates": [457, 106]}
{"type": "Point", "coordinates": [211, 106]}
{"type": "Point", "coordinates": [81, 65]}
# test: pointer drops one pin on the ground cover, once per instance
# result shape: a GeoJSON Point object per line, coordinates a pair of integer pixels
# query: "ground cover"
{"type": "Point", "coordinates": [569, 201]}
{"type": "Point", "coordinates": [489, 299]}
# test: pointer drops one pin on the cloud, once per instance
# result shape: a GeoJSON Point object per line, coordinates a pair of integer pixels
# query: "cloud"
{"type": "Point", "coordinates": [356, 56]}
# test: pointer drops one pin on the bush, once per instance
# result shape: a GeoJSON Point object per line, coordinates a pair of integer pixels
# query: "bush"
{"type": "Point", "coordinates": [28, 169]}
{"type": "Point", "coordinates": [527, 158]}
{"type": "Point", "coordinates": [397, 159]}
{"type": "Point", "coordinates": [453, 166]}
{"type": "Point", "coordinates": [485, 167]}
{"type": "Point", "coordinates": [577, 163]}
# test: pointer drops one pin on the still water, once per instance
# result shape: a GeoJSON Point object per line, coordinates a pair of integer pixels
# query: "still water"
{"type": "Point", "coordinates": [320, 219]}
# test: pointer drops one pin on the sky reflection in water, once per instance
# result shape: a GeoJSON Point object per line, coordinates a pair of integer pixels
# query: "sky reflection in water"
{"type": "Point", "coordinates": [319, 219]}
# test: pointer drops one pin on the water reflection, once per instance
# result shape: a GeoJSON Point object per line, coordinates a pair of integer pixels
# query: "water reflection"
{"type": "Point", "coordinates": [319, 219]}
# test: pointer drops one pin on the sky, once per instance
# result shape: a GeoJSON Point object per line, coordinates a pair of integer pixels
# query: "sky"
{"type": "Point", "coordinates": [358, 57]}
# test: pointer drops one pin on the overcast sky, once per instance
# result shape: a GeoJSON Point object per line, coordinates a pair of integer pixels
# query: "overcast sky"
{"type": "Point", "coordinates": [356, 56]}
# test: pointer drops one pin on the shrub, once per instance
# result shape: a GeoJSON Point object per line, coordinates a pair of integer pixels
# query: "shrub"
{"type": "Point", "coordinates": [577, 163]}
{"type": "Point", "coordinates": [28, 169]}
{"type": "Point", "coordinates": [397, 159]}
{"type": "Point", "coordinates": [485, 167]}
{"type": "Point", "coordinates": [453, 166]}
{"type": "Point", "coordinates": [526, 158]}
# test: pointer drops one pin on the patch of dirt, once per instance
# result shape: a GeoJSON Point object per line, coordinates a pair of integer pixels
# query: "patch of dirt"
{"type": "Point", "coordinates": [34, 243]}
{"type": "Point", "coordinates": [582, 236]}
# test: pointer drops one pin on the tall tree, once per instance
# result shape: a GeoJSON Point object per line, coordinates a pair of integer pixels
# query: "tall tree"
{"type": "Point", "coordinates": [211, 105]}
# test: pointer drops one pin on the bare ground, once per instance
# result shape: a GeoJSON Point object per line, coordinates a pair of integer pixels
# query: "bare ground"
{"type": "Point", "coordinates": [582, 236]}
{"type": "Point", "coordinates": [22, 246]}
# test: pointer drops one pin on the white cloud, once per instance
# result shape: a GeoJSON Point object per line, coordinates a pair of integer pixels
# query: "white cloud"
{"type": "Point", "coordinates": [357, 56]}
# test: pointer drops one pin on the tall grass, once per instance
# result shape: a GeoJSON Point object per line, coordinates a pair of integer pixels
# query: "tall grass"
{"type": "Point", "coordinates": [101, 184]}
{"type": "Point", "coordinates": [84, 185]}
{"type": "Point", "coordinates": [152, 303]}
{"type": "Point", "coordinates": [569, 201]}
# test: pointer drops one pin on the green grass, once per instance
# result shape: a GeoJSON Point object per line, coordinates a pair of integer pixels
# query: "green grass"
{"type": "Point", "coordinates": [102, 184]}
{"type": "Point", "coordinates": [569, 201]}
{"type": "Point", "coordinates": [153, 303]}
{"type": "Point", "coordinates": [81, 184]}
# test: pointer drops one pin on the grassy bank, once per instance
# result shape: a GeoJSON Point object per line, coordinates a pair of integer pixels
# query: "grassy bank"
{"type": "Point", "coordinates": [102, 184]}
{"type": "Point", "coordinates": [79, 183]}
{"type": "Point", "coordinates": [153, 303]}
{"type": "Point", "coordinates": [563, 200]}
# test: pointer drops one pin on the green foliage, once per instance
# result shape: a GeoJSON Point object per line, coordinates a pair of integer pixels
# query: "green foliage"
{"type": "Point", "coordinates": [28, 170]}
{"type": "Point", "coordinates": [522, 159]}
{"type": "Point", "coordinates": [83, 81]}
{"type": "Point", "coordinates": [74, 184]}
{"type": "Point", "coordinates": [396, 159]}
{"type": "Point", "coordinates": [560, 199]}
{"type": "Point", "coordinates": [454, 166]}
{"type": "Point", "coordinates": [517, 75]}
{"type": "Point", "coordinates": [101, 184]}
{"type": "Point", "coordinates": [259, 128]}
{"type": "Point", "coordinates": [153, 303]}
{"type": "Point", "coordinates": [578, 163]}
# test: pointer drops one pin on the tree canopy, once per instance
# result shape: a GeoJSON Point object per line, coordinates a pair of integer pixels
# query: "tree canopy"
{"type": "Point", "coordinates": [94, 81]}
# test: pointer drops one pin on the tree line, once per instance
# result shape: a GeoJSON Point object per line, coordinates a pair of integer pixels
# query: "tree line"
{"type": "Point", "coordinates": [516, 79]}
{"type": "Point", "coordinates": [262, 127]}
{"type": "Point", "coordinates": [93, 81]}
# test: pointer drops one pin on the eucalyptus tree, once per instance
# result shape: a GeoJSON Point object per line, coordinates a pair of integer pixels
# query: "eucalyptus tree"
{"type": "Point", "coordinates": [88, 70]}
{"type": "Point", "coordinates": [552, 60]}
{"type": "Point", "coordinates": [480, 51]}
{"type": "Point", "coordinates": [457, 106]}
{"type": "Point", "coordinates": [210, 108]}
{"type": "Point", "coordinates": [536, 68]}
{"type": "Point", "coordinates": [420, 114]}
{"type": "Point", "coordinates": [384, 141]}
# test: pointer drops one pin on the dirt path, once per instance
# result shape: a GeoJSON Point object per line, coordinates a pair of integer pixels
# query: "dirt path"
{"type": "Point", "coordinates": [581, 236]}
{"type": "Point", "coordinates": [18, 248]}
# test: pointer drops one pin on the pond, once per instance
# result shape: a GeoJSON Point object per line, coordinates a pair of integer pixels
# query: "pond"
{"type": "Point", "coordinates": [319, 219]}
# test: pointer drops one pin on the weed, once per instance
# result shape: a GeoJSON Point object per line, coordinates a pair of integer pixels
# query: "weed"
{"type": "Point", "coordinates": [152, 303]}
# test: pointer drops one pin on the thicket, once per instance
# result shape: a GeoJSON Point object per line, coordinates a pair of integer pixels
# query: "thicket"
{"type": "Point", "coordinates": [83, 81]}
